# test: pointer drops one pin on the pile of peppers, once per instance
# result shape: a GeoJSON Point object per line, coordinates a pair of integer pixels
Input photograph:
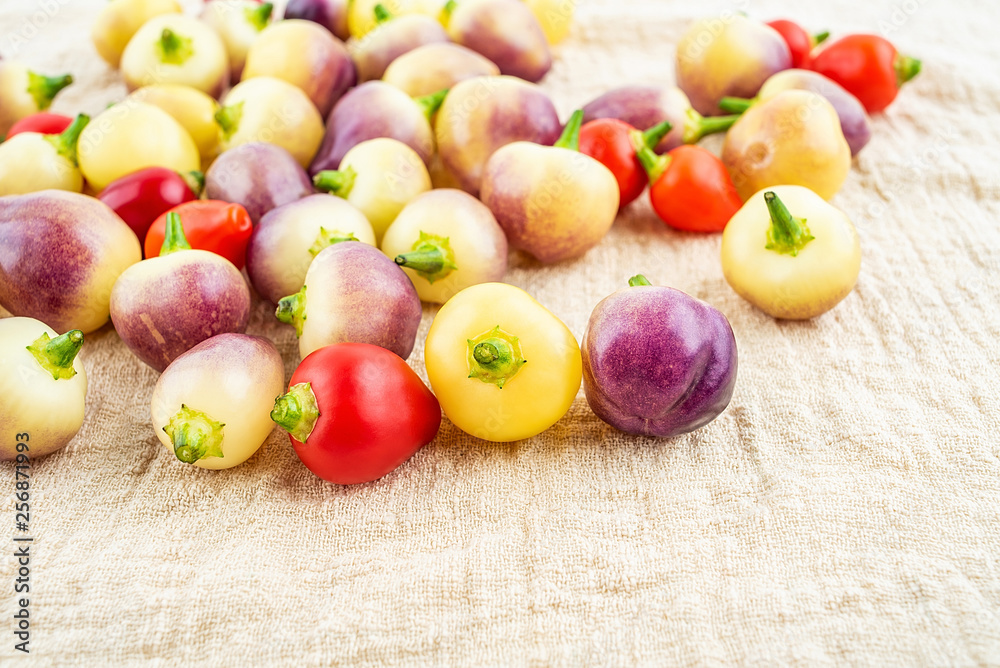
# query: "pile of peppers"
{"type": "Point", "coordinates": [350, 164]}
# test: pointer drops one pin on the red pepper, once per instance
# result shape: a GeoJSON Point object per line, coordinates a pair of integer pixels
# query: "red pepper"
{"type": "Point", "coordinates": [355, 412]}
{"type": "Point", "coordinates": [690, 188]}
{"type": "Point", "coordinates": [609, 141]}
{"type": "Point", "coordinates": [799, 42]}
{"type": "Point", "coordinates": [138, 198]}
{"type": "Point", "coordinates": [43, 123]}
{"type": "Point", "coordinates": [868, 66]}
{"type": "Point", "coordinates": [221, 227]}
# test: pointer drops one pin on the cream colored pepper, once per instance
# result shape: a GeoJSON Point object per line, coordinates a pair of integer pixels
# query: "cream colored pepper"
{"type": "Point", "coordinates": [790, 253]}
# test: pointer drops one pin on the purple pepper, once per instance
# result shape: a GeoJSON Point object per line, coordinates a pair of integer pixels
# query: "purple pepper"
{"type": "Point", "coordinates": [259, 176]}
{"type": "Point", "coordinates": [642, 107]}
{"type": "Point", "coordinates": [331, 14]}
{"type": "Point", "coordinates": [372, 110]}
{"type": "Point", "coordinates": [354, 293]}
{"type": "Point", "coordinates": [657, 362]}
{"type": "Point", "coordinates": [505, 31]}
{"type": "Point", "coordinates": [164, 306]}
{"type": "Point", "coordinates": [60, 253]}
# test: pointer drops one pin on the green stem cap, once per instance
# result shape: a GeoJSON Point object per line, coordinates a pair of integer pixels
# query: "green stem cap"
{"type": "Point", "coordinates": [432, 257]}
{"type": "Point", "coordinates": [637, 280]}
{"type": "Point", "coordinates": [697, 126]}
{"type": "Point", "coordinates": [228, 119]}
{"type": "Point", "coordinates": [297, 411]}
{"type": "Point", "coordinates": [259, 17]}
{"type": "Point", "coordinates": [43, 89]}
{"type": "Point", "coordinates": [292, 310]}
{"type": "Point", "coordinates": [328, 238]}
{"type": "Point", "coordinates": [174, 49]}
{"type": "Point", "coordinates": [382, 14]}
{"type": "Point", "coordinates": [65, 143]}
{"type": "Point", "coordinates": [195, 180]}
{"type": "Point", "coordinates": [336, 182]}
{"type": "Point", "coordinates": [906, 68]}
{"type": "Point", "coordinates": [431, 103]}
{"type": "Point", "coordinates": [495, 357]}
{"type": "Point", "coordinates": [735, 105]}
{"type": "Point", "coordinates": [819, 38]}
{"type": "Point", "coordinates": [173, 235]}
{"type": "Point", "coordinates": [445, 16]}
{"type": "Point", "coordinates": [195, 435]}
{"type": "Point", "coordinates": [655, 165]}
{"type": "Point", "coordinates": [655, 134]}
{"type": "Point", "coordinates": [570, 137]}
{"type": "Point", "coordinates": [787, 234]}
{"type": "Point", "coordinates": [56, 355]}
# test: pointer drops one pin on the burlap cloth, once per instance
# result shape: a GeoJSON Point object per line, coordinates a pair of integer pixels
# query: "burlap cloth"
{"type": "Point", "coordinates": [845, 509]}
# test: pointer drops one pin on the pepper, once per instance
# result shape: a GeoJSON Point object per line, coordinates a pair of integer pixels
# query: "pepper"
{"type": "Point", "coordinates": [790, 253]}
{"type": "Point", "coordinates": [140, 197]}
{"type": "Point", "coordinates": [220, 227]}
{"type": "Point", "coordinates": [609, 141]}
{"type": "Point", "coordinates": [869, 67]}
{"type": "Point", "coordinates": [799, 42]}
{"type": "Point", "coordinates": [690, 188]}
{"type": "Point", "coordinates": [43, 122]}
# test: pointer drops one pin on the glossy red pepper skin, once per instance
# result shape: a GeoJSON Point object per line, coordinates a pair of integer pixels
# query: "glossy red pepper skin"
{"type": "Point", "coordinates": [799, 42]}
{"type": "Point", "coordinates": [43, 123]}
{"type": "Point", "coordinates": [374, 412]}
{"type": "Point", "coordinates": [868, 66]}
{"type": "Point", "coordinates": [608, 141]}
{"type": "Point", "coordinates": [220, 227]}
{"type": "Point", "coordinates": [138, 198]}
{"type": "Point", "coordinates": [694, 193]}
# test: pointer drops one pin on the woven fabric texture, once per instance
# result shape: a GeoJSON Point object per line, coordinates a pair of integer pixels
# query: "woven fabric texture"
{"type": "Point", "coordinates": [845, 508]}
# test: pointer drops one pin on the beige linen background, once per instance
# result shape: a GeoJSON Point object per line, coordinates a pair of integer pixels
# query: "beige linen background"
{"type": "Point", "coordinates": [845, 509]}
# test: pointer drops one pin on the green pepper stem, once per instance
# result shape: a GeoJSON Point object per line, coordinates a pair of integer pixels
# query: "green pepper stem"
{"type": "Point", "coordinates": [655, 134]}
{"type": "Point", "coordinates": [195, 435]}
{"type": "Point", "coordinates": [65, 143]}
{"type": "Point", "coordinates": [56, 355]}
{"type": "Point", "coordinates": [336, 182]}
{"type": "Point", "coordinates": [697, 126]}
{"type": "Point", "coordinates": [431, 103]}
{"type": "Point", "coordinates": [495, 357]}
{"type": "Point", "coordinates": [654, 164]}
{"type": "Point", "coordinates": [570, 137]}
{"type": "Point", "coordinates": [328, 238]}
{"type": "Point", "coordinates": [906, 68]}
{"type": "Point", "coordinates": [173, 235]}
{"type": "Point", "coordinates": [432, 257]}
{"type": "Point", "coordinates": [735, 105]}
{"type": "Point", "coordinates": [259, 17]}
{"type": "Point", "coordinates": [174, 49]}
{"type": "Point", "coordinates": [44, 89]}
{"type": "Point", "coordinates": [787, 234]}
{"type": "Point", "coordinates": [382, 14]}
{"type": "Point", "coordinates": [445, 16]}
{"type": "Point", "coordinates": [297, 411]}
{"type": "Point", "coordinates": [637, 280]}
{"type": "Point", "coordinates": [228, 119]}
{"type": "Point", "coordinates": [820, 37]}
{"type": "Point", "coordinates": [195, 180]}
{"type": "Point", "coordinates": [292, 310]}
{"type": "Point", "coordinates": [422, 262]}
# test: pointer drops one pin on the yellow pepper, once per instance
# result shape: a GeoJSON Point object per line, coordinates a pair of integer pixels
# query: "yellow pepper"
{"type": "Point", "coordinates": [131, 135]}
{"type": "Point", "coordinates": [118, 21]}
{"type": "Point", "coordinates": [190, 107]}
{"type": "Point", "coordinates": [790, 253]}
{"type": "Point", "coordinates": [502, 366]}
